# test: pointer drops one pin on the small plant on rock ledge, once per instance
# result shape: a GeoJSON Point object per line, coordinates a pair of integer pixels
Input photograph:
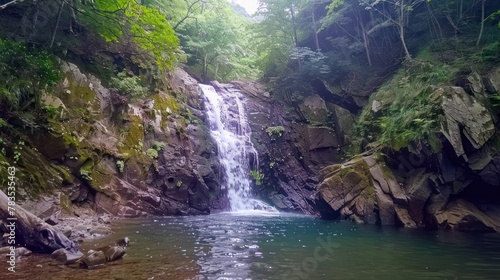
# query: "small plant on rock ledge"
{"type": "Point", "coordinates": [121, 165]}
{"type": "Point", "coordinates": [152, 153]}
{"type": "Point", "coordinates": [275, 132]}
{"type": "Point", "coordinates": [257, 177]}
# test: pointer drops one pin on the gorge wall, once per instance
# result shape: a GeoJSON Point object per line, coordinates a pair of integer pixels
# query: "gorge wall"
{"type": "Point", "coordinates": [304, 166]}
{"type": "Point", "coordinates": [102, 154]}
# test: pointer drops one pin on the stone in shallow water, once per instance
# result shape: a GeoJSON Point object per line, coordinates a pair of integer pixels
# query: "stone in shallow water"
{"type": "Point", "coordinates": [93, 259]}
{"type": "Point", "coordinates": [123, 241]}
{"type": "Point", "coordinates": [114, 253]}
{"type": "Point", "coordinates": [65, 257]}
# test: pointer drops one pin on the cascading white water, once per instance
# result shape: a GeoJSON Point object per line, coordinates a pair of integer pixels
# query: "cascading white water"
{"type": "Point", "coordinates": [230, 129]}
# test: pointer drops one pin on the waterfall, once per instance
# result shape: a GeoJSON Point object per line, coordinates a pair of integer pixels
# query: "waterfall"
{"type": "Point", "coordinates": [230, 129]}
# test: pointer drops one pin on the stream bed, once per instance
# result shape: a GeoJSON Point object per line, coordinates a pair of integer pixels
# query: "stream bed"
{"type": "Point", "coordinates": [261, 245]}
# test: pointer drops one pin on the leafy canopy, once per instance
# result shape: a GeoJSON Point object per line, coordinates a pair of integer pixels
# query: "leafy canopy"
{"type": "Point", "coordinates": [145, 26]}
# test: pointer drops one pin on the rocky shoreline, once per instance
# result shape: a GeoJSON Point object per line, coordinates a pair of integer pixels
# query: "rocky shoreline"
{"type": "Point", "coordinates": [50, 225]}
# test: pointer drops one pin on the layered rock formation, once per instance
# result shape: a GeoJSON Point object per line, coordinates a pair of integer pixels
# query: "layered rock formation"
{"type": "Point", "coordinates": [454, 187]}
{"type": "Point", "coordinates": [152, 156]}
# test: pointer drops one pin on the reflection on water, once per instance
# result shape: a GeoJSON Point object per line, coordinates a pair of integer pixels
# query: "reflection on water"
{"type": "Point", "coordinates": [238, 246]}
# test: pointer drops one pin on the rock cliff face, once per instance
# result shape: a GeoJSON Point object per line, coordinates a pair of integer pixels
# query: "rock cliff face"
{"type": "Point", "coordinates": [154, 156]}
{"type": "Point", "coordinates": [454, 187]}
{"type": "Point", "coordinates": [293, 146]}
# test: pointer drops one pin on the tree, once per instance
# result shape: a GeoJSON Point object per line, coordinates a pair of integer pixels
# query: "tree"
{"type": "Point", "coordinates": [338, 13]}
{"type": "Point", "coordinates": [177, 11]}
{"type": "Point", "coordinates": [126, 19]}
{"type": "Point", "coordinates": [396, 12]}
{"type": "Point", "coordinates": [216, 44]}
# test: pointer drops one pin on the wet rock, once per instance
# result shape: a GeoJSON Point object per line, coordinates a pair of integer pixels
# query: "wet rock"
{"type": "Point", "coordinates": [93, 259]}
{"type": "Point", "coordinates": [382, 176]}
{"type": "Point", "coordinates": [99, 231]}
{"type": "Point", "coordinates": [104, 219]}
{"type": "Point", "coordinates": [123, 242]}
{"type": "Point", "coordinates": [403, 218]}
{"type": "Point", "coordinates": [365, 189]}
{"type": "Point", "coordinates": [114, 252]}
{"type": "Point", "coordinates": [349, 191]}
{"type": "Point", "coordinates": [465, 216]}
{"type": "Point", "coordinates": [418, 190]}
{"type": "Point", "coordinates": [386, 210]}
{"type": "Point", "coordinates": [32, 231]}
{"type": "Point", "coordinates": [64, 257]}
{"type": "Point", "coordinates": [17, 251]}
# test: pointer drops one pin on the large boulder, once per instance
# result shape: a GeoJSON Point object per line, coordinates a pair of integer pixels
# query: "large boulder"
{"type": "Point", "coordinates": [491, 173]}
{"type": "Point", "coordinates": [419, 190]}
{"type": "Point", "coordinates": [314, 109]}
{"type": "Point", "coordinates": [492, 81]}
{"type": "Point", "coordinates": [465, 216]}
{"type": "Point", "coordinates": [364, 190]}
{"type": "Point", "coordinates": [31, 231]}
{"type": "Point", "coordinates": [464, 115]}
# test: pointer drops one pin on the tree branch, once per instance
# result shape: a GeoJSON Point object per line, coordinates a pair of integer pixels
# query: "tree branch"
{"type": "Point", "coordinates": [7, 4]}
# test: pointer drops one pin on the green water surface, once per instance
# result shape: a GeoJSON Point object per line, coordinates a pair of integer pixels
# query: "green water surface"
{"type": "Point", "coordinates": [234, 246]}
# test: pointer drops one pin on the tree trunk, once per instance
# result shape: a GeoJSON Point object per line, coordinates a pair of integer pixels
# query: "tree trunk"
{"type": "Point", "coordinates": [315, 32]}
{"type": "Point", "coordinates": [30, 231]}
{"type": "Point", "coordinates": [294, 28]}
{"type": "Point", "coordinates": [401, 24]}
{"type": "Point", "coordinates": [57, 25]}
{"type": "Point", "coordinates": [482, 23]}
{"type": "Point", "coordinates": [366, 43]}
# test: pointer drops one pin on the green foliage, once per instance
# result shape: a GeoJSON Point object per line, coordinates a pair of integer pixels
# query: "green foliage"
{"type": "Point", "coordinates": [51, 111]}
{"type": "Point", "coordinates": [25, 74]}
{"type": "Point", "coordinates": [155, 148]}
{"type": "Point", "coordinates": [275, 132]}
{"type": "Point", "coordinates": [159, 146]}
{"type": "Point", "coordinates": [216, 43]}
{"type": "Point", "coordinates": [495, 99]}
{"type": "Point", "coordinates": [86, 174]}
{"type": "Point", "coordinates": [495, 16]}
{"type": "Point", "coordinates": [491, 52]}
{"type": "Point", "coordinates": [128, 86]}
{"type": "Point", "coordinates": [120, 164]}
{"type": "Point", "coordinates": [409, 113]}
{"type": "Point", "coordinates": [17, 151]}
{"type": "Point", "coordinates": [257, 177]}
{"type": "Point", "coordinates": [411, 118]}
{"type": "Point", "coordinates": [3, 124]}
{"type": "Point", "coordinates": [128, 20]}
{"type": "Point", "coordinates": [152, 153]}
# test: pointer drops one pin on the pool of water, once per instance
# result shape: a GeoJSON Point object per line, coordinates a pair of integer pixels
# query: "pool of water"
{"type": "Point", "coordinates": [231, 246]}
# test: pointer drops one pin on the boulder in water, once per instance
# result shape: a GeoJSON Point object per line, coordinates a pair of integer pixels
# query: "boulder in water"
{"type": "Point", "coordinates": [65, 257]}
{"type": "Point", "coordinates": [93, 259]}
{"type": "Point", "coordinates": [114, 253]}
{"type": "Point", "coordinates": [123, 242]}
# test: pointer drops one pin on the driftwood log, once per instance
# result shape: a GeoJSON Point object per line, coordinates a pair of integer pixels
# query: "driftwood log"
{"type": "Point", "coordinates": [30, 231]}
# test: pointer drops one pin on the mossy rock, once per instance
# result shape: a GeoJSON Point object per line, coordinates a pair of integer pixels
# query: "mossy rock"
{"type": "Point", "coordinates": [132, 140]}
{"type": "Point", "coordinates": [77, 95]}
{"type": "Point", "coordinates": [165, 103]}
